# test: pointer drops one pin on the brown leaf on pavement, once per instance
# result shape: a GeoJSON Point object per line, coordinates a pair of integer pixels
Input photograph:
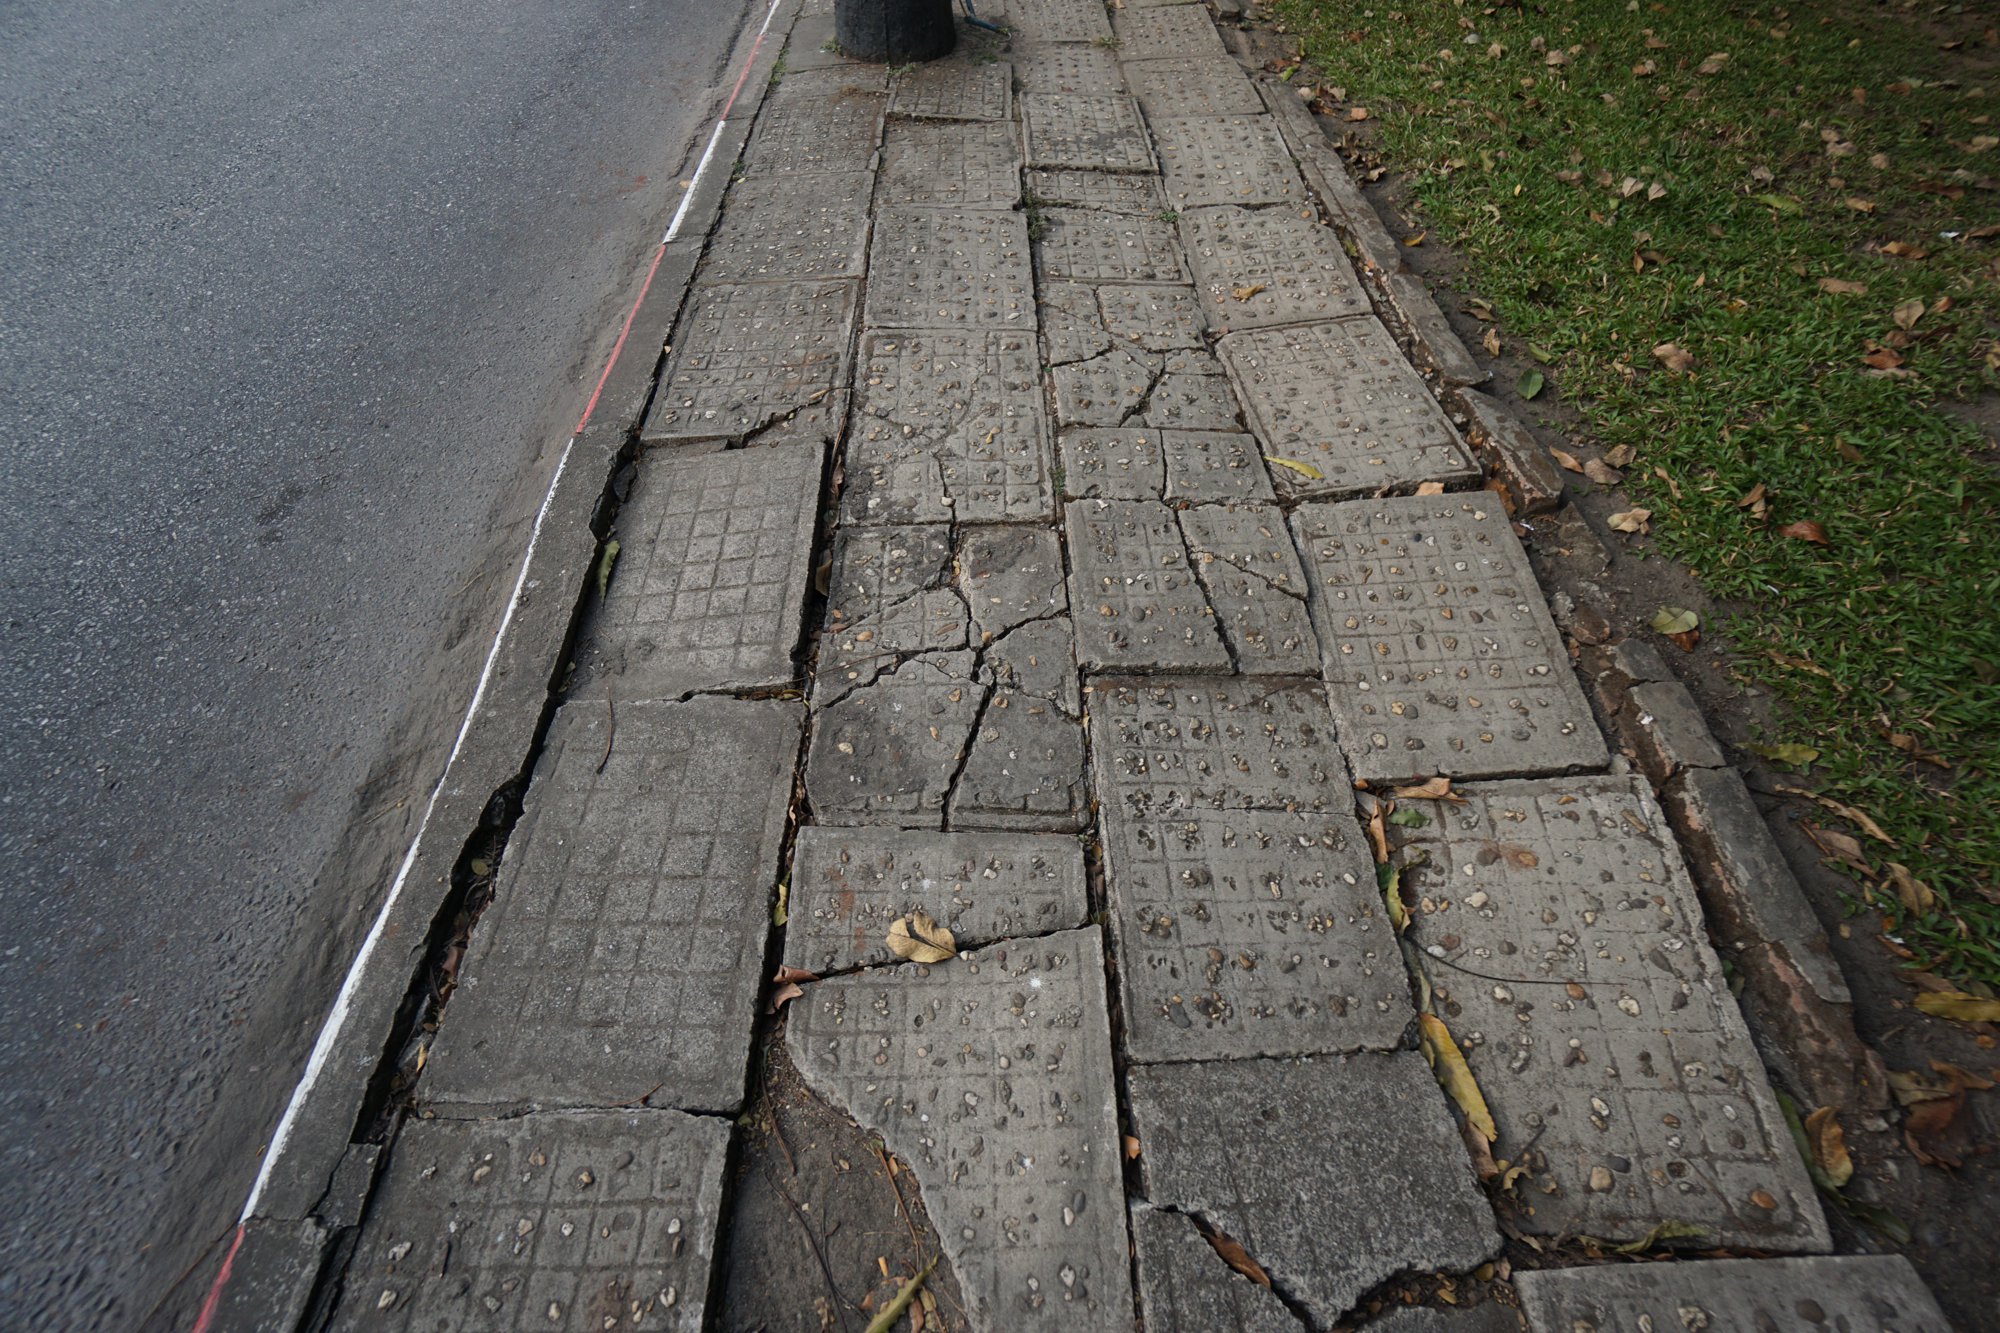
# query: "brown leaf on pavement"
{"type": "Point", "coordinates": [1237, 1257]}
{"type": "Point", "coordinates": [1431, 789]}
{"type": "Point", "coordinates": [1245, 291]}
{"type": "Point", "coordinates": [921, 940]}
{"type": "Point", "coordinates": [1430, 488]}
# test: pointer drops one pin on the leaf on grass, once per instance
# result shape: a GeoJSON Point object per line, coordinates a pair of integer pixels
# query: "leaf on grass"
{"type": "Point", "coordinates": [1957, 1004]}
{"type": "Point", "coordinates": [1660, 1235]}
{"type": "Point", "coordinates": [1431, 789]}
{"type": "Point", "coordinates": [1829, 1145]}
{"type": "Point", "coordinates": [1791, 752]}
{"type": "Point", "coordinates": [1714, 64]}
{"type": "Point", "coordinates": [1530, 384]}
{"type": "Point", "coordinates": [1621, 456]}
{"type": "Point", "coordinates": [1630, 520]}
{"type": "Point", "coordinates": [1842, 287]}
{"type": "Point", "coordinates": [1238, 1258]}
{"type": "Point", "coordinates": [604, 565]}
{"type": "Point", "coordinates": [1915, 895]}
{"type": "Point", "coordinates": [1674, 357]}
{"type": "Point", "coordinates": [1806, 530]}
{"type": "Point", "coordinates": [921, 940]}
{"type": "Point", "coordinates": [1904, 250]}
{"type": "Point", "coordinates": [1675, 620]}
{"type": "Point", "coordinates": [1860, 205]}
{"type": "Point", "coordinates": [1779, 203]}
{"type": "Point", "coordinates": [1303, 469]}
{"type": "Point", "coordinates": [1448, 1062]}
{"type": "Point", "coordinates": [1357, 113]}
{"type": "Point", "coordinates": [1856, 817]}
{"type": "Point", "coordinates": [1883, 358]}
{"type": "Point", "coordinates": [1840, 846]}
{"type": "Point", "coordinates": [1409, 819]}
{"type": "Point", "coordinates": [1907, 313]}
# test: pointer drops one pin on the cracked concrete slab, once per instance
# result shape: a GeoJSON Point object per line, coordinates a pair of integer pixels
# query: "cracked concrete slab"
{"type": "Point", "coordinates": [1072, 325]}
{"type": "Point", "coordinates": [1440, 653]}
{"type": "Point", "coordinates": [1037, 658]}
{"type": "Point", "coordinates": [848, 885]}
{"type": "Point", "coordinates": [1251, 932]}
{"type": "Point", "coordinates": [1863, 1291]}
{"type": "Point", "coordinates": [1137, 600]}
{"type": "Point", "coordinates": [745, 355]}
{"type": "Point", "coordinates": [954, 90]}
{"type": "Point", "coordinates": [625, 942]}
{"type": "Point", "coordinates": [1024, 768]}
{"type": "Point", "coordinates": [1188, 467]}
{"type": "Point", "coordinates": [937, 165]}
{"type": "Point", "coordinates": [1010, 575]}
{"type": "Point", "coordinates": [1255, 268]}
{"type": "Point", "coordinates": [887, 599]}
{"type": "Point", "coordinates": [562, 1221]}
{"type": "Point", "coordinates": [1191, 393]}
{"type": "Point", "coordinates": [1185, 1287]}
{"type": "Point", "coordinates": [1091, 131]}
{"type": "Point", "coordinates": [1163, 318]}
{"type": "Point", "coordinates": [1243, 556]}
{"type": "Point", "coordinates": [772, 232]}
{"type": "Point", "coordinates": [1320, 1215]}
{"type": "Point", "coordinates": [890, 752]}
{"type": "Point", "coordinates": [1601, 1029]}
{"type": "Point", "coordinates": [1241, 160]}
{"type": "Point", "coordinates": [819, 121]}
{"type": "Point", "coordinates": [1195, 743]}
{"type": "Point", "coordinates": [991, 1076]}
{"type": "Point", "coordinates": [932, 268]}
{"type": "Point", "coordinates": [1105, 390]}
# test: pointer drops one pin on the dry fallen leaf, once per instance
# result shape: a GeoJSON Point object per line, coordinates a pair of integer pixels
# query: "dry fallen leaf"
{"type": "Point", "coordinates": [1431, 488]}
{"type": "Point", "coordinates": [1237, 1257]}
{"type": "Point", "coordinates": [1957, 1004]}
{"type": "Point", "coordinates": [1357, 113]}
{"type": "Point", "coordinates": [1806, 530]}
{"type": "Point", "coordinates": [1622, 456]}
{"type": "Point", "coordinates": [1415, 239]}
{"type": "Point", "coordinates": [1911, 892]}
{"type": "Point", "coordinates": [1842, 287]}
{"type": "Point", "coordinates": [1905, 250]}
{"type": "Point", "coordinates": [1884, 358]}
{"type": "Point", "coordinates": [1861, 205]}
{"type": "Point", "coordinates": [1245, 291]}
{"type": "Point", "coordinates": [1840, 846]}
{"type": "Point", "coordinates": [1432, 789]}
{"type": "Point", "coordinates": [1714, 64]}
{"type": "Point", "coordinates": [1602, 473]}
{"type": "Point", "coordinates": [1568, 460]}
{"type": "Point", "coordinates": [1303, 469]}
{"type": "Point", "coordinates": [1858, 818]}
{"type": "Point", "coordinates": [1675, 620]}
{"type": "Point", "coordinates": [1674, 357]}
{"type": "Point", "coordinates": [1907, 313]}
{"type": "Point", "coordinates": [1491, 342]}
{"type": "Point", "coordinates": [1448, 1062]}
{"type": "Point", "coordinates": [919, 939]}
{"type": "Point", "coordinates": [1631, 520]}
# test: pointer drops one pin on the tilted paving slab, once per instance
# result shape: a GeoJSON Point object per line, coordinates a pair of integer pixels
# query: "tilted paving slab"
{"type": "Point", "coordinates": [1096, 131]}
{"type": "Point", "coordinates": [772, 231]}
{"type": "Point", "coordinates": [1239, 160]}
{"type": "Point", "coordinates": [1167, 32]}
{"type": "Point", "coordinates": [1192, 86]}
{"type": "Point", "coordinates": [624, 946]}
{"type": "Point", "coordinates": [889, 751]}
{"type": "Point", "coordinates": [1024, 768]}
{"type": "Point", "coordinates": [1255, 268]}
{"type": "Point", "coordinates": [1243, 556]}
{"type": "Point", "coordinates": [1321, 1213]}
{"type": "Point", "coordinates": [1875, 1292]}
{"type": "Point", "coordinates": [1063, 67]}
{"type": "Point", "coordinates": [1250, 932]}
{"type": "Point", "coordinates": [1441, 656]}
{"type": "Point", "coordinates": [1200, 743]}
{"type": "Point", "coordinates": [954, 90]}
{"type": "Point", "coordinates": [746, 354]}
{"type": "Point", "coordinates": [1342, 399]}
{"type": "Point", "coordinates": [1086, 245]}
{"type": "Point", "coordinates": [815, 121]}
{"type": "Point", "coordinates": [1100, 190]}
{"type": "Point", "coordinates": [932, 268]}
{"type": "Point", "coordinates": [1058, 20]}
{"type": "Point", "coordinates": [558, 1221]}
{"type": "Point", "coordinates": [943, 165]}
{"type": "Point", "coordinates": [715, 557]}
{"type": "Point", "coordinates": [888, 598]}
{"type": "Point", "coordinates": [1601, 1029]}
{"type": "Point", "coordinates": [948, 426]}
{"type": "Point", "coordinates": [848, 885]}
{"type": "Point", "coordinates": [1192, 467]}
{"type": "Point", "coordinates": [1138, 603]}
{"type": "Point", "coordinates": [991, 1076]}
{"type": "Point", "coordinates": [1185, 1287]}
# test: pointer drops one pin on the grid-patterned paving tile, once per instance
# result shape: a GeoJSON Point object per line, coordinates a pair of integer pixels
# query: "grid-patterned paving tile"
{"type": "Point", "coordinates": [1102, 190]}
{"type": "Point", "coordinates": [890, 751]}
{"type": "Point", "coordinates": [625, 943]}
{"type": "Point", "coordinates": [938, 164]}
{"type": "Point", "coordinates": [1024, 766]}
{"type": "Point", "coordinates": [1192, 86]}
{"type": "Point", "coordinates": [775, 232]}
{"type": "Point", "coordinates": [954, 90]}
{"type": "Point", "coordinates": [1440, 653]}
{"type": "Point", "coordinates": [1859, 1291]}
{"type": "Point", "coordinates": [1165, 318]}
{"type": "Point", "coordinates": [1237, 160]}
{"type": "Point", "coordinates": [1088, 246]}
{"type": "Point", "coordinates": [1205, 467]}
{"type": "Point", "coordinates": [1058, 20]}
{"type": "Point", "coordinates": [1088, 131]}
{"type": "Point", "coordinates": [746, 354]}
{"type": "Point", "coordinates": [888, 596]}
{"type": "Point", "coordinates": [1104, 390]}
{"type": "Point", "coordinates": [578, 1222]}
{"type": "Point", "coordinates": [991, 1076]}
{"type": "Point", "coordinates": [849, 884]}
{"type": "Point", "coordinates": [1063, 67]}
{"type": "Point", "coordinates": [1341, 399]}
{"type": "Point", "coordinates": [1192, 394]}
{"type": "Point", "coordinates": [1204, 743]}
{"type": "Point", "coordinates": [1137, 602]}
{"type": "Point", "coordinates": [1601, 1028]}
{"type": "Point", "coordinates": [1185, 466]}
{"type": "Point", "coordinates": [946, 269]}
{"type": "Point", "coordinates": [715, 558]}
{"type": "Point", "coordinates": [824, 120]}
{"type": "Point", "coordinates": [1251, 932]}
{"type": "Point", "coordinates": [1244, 558]}
{"type": "Point", "coordinates": [1168, 32]}
{"type": "Point", "coordinates": [1256, 268]}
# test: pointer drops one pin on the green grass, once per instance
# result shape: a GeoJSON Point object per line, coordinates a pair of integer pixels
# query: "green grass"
{"type": "Point", "coordinates": [1522, 167]}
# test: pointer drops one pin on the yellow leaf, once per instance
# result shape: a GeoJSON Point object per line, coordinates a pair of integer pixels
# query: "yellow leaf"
{"type": "Point", "coordinates": [1957, 1004]}
{"type": "Point", "coordinates": [778, 913]}
{"type": "Point", "coordinates": [1303, 469]}
{"type": "Point", "coordinates": [1244, 291]}
{"type": "Point", "coordinates": [1456, 1076]}
{"type": "Point", "coordinates": [1829, 1146]}
{"type": "Point", "coordinates": [920, 939]}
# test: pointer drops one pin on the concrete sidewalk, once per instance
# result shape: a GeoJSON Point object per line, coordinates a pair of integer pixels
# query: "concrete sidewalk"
{"type": "Point", "coordinates": [1049, 520]}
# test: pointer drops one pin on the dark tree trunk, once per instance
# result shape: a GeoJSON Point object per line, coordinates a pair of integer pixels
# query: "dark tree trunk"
{"type": "Point", "coordinates": [894, 31]}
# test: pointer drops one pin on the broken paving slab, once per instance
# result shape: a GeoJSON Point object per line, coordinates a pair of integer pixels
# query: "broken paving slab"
{"type": "Point", "coordinates": [991, 1076]}
{"type": "Point", "coordinates": [1168, 32]}
{"type": "Point", "coordinates": [953, 90]}
{"type": "Point", "coordinates": [936, 165]}
{"type": "Point", "coordinates": [1863, 1291]}
{"type": "Point", "coordinates": [1106, 390]}
{"type": "Point", "coordinates": [848, 885]}
{"type": "Point", "coordinates": [1251, 932]}
{"type": "Point", "coordinates": [932, 268]}
{"type": "Point", "coordinates": [747, 354]}
{"type": "Point", "coordinates": [1191, 467]}
{"type": "Point", "coordinates": [623, 950]}
{"type": "Point", "coordinates": [715, 556]}
{"type": "Point", "coordinates": [772, 231]}
{"type": "Point", "coordinates": [561, 1221]}
{"type": "Point", "coordinates": [1243, 556]}
{"type": "Point", "coordinates": [890, 751]}
{"type": "Point", "coordinates": [1085, 245]}
{"type": "Point", "coordinates": [1441, 656]}
{"type": "Point", "coordinates": [1240, 160]}
{"type": "Point", "coordinates": [1341, 400]}
{"type": "Point", "coordinates": [1081, 321]}
{"type": "Point", "coordinates": [1010, 575]}
{"type": "Point", "coordinates": [1192, 86]}
{"type": "Point", "coordinates": [1024, 767]}
{"type": "Point", "coordinates": [1185, 1287]}
{"type": "Point", "coordinates": [1092, 131]}
{"type": "Point", "coordinates": [1256, 268]}
{"type": "Point", "coordinates": [1138, 602]}
{"type": "Point", "coordinates": [1187, 396]}
{"type": "Point", "coordinates": [949, 426]}
{"type": "Point", "coordinates": [1163, 746]}
{"type": "Point", "coordinates": [1600, 1026]}
{"type": "Point", "coordinates": [1286, 1157]}
{"type": "Point", "coordinates": [1037, 658]}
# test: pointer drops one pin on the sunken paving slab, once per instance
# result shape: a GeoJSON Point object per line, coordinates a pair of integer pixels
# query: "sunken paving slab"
{"type": "Point", "coordinates": [848, 885]}
{"type": "Point", "coordinates": [745, 355]}
{"type": "Point", "coordinates": [1087, 131]}
{"type": "Point", "coordinates": [1239, 160]}
{"type": "Point", "coordinates": [1257, 268]}
{"type": "Point", "coordinates": [1192, 86]}
{"type": "Point", "coordinates": [1251, 932]}
{"type": "Point", "coordinates": [564, 1221]}
{"type": "Point", "coordinates": [944, 269]}
{"type": "Point", "coordinates": [774, 232]}
{"type": "Point", "coordinates": [1441, 656]}
{"type": "Point", "coordinates": [1169, 32]}
{"type": "Point", "coordinates": [1066, 67]}
{"type": "Point", "coordinates": [1606, 1041]}
{"type": "Point", "coordinates": [1163, 746]}
{"type": "Point", "coordinates": [954, 90]}
{"type": "Point", "coordinates": [625, 942]}
{"type": "Point", "coordinates": [1341, 399]}
{"type": "Point", "coordinates": [1099, 190]}
{"type": "Point", "coordinates": [890, 751]}
{"type": "Point", "coordinates": [1193, 467]}
{"type": "Point", "coordinates": [1244, 558]}
{"type": "Point", "coordinates": [948, 425]}
{"type": "Point", "coordinates": [1084, 245]}
{"type": "Point", "coordinates": [1185, 1287]}
{"type": "Point", "coordinates": [1322, 1216]}
{"type": "Point", "coordinates": [1139, 604]}
{"type": "Point", "coordinates": [991, 1076]}
{"type": "Point", "coordinates": [888, 597]}
{"type": "Point", "coordinates": [940, 165]}
{"type": "Point", "coordinates": [1872, 1292]}
{"type": "Point", "coordinates": [715, 558]}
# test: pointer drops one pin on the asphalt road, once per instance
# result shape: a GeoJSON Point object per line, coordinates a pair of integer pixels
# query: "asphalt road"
{"type": "Point", "coordinates": [297, 303]}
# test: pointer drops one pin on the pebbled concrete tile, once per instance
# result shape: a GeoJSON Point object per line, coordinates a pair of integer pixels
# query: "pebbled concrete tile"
{"type": "Point", "coordinates": [1166, 33]}
{"type": "Point", "coordinates": [1213, 467]}
{"type": "Point", "coordinates": [1087, 131]}
{"type": "Point", "coordinates": [1010, 575]}
{"type": "Point", "coordinates": [1608, 1046]}
{"type": "Point", "coordinates": [1342, 399]}
{"type": "Point", "coordinates": [1113, 465]}
{"type": "Point", "coordinates": [847, 885]}
{"type": "Point", "coordinates": [1058, 21]}
{"type": "Point", "coordinates": [954, 90]}
{"type": "Point", "coordinates": [1192, 86]}
{"type": "Point", "coordinates": [1072, 325]}
{"type": "Point", "coordinates": [1105, 390]}
{"type": "Point", "coordinates": [1264, 267]}
{"type": "Point", "coordinates": [1322, 1216]}
{"type": "Point", "coordinates": [937, 165]}
{"type": "Point", "coordinates": [818, 121]}
{"type": "Point", "coordinates": [715, 558]}
{"type": "Point", "coordinates": [1184, 1287]}
{"type": "Point", "coordinates": [943, 269]}
{"type": "Point", "coordinates": [1085, 245]}
{"type": "Point", "coordinates": [1138, 602]}
{"type": "Point", "coordinates": [774, 232]}
{"type": "Point", "coordinates": [1165, 318]}
{"type": "Point", "coordinates": [1852, 1291]}
{"type": "Point", "coordinates": [888, 753]}
{"type": "Point", "coordinates": [1250, 932]}
{"type": "Point", "coordinates": [745, 355]}
{"type": "Point", "coordinates": [1240, 160]}
{"type": "Point", "coordinates": [1024, 768]}
{"type": "Point", "coordinates": [635, 894]}
{"type": "Point", "coordinates": [1038, 658]}
{"type": "Point", "coordinates": [1063, 67]}
{"type": "Point", "coordinates": [1097, 190]}
{"type": "Point", "coordinates": [1159, 747]}
{"type": "Point", "coordinates": [991, 1076]}
{"type": "Point", "coordinates": [888, 598]}
{"type": "Point", "coordinates": [1191, 393]}
{"type": "Point", "coordinates": [1441, 656]}
{"type": "Point", "coordinates": [1244, 558]}
{"type": "Point", "coordinates": [1181, 466]}
{"type": "Point", "coordinates": [581, 1221]}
